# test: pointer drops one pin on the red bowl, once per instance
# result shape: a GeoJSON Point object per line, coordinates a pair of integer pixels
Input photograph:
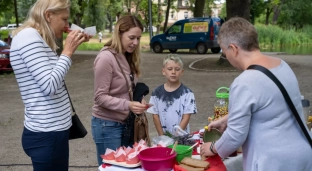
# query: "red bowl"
{"type": "Point", "coordinates": [157, 159]}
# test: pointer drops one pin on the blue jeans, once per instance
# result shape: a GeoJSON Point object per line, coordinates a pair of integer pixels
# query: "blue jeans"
{"type": "Point", "coordinates": [49, 151]}
{"type": "Point", "coordinates": [106, 134]}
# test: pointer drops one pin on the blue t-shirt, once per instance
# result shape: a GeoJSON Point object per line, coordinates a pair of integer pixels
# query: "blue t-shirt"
{"type": "Point", "coordinates": [170, 106]}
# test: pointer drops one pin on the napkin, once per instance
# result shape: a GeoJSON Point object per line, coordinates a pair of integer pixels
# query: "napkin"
{"type": "Point", "coordinates": [88, 30]}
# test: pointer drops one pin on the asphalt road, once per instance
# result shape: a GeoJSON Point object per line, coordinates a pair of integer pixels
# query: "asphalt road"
{"type": "Point", "coordinates": [80, 85]}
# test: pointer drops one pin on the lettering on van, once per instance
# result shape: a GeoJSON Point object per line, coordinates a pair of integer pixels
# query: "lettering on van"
{"type": "Point", "coordinates": [196, 27]}
{"type": "Point", "coordinates": [172, 38]}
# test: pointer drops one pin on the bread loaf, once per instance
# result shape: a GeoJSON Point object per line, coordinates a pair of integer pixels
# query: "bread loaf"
{"type": "Point", "coordinates": [195, 163]}
{"type": "Point", "coordinates": [189, 168]}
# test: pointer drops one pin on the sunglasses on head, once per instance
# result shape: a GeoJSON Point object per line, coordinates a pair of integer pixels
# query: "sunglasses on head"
{"type": "Point", "coordinates": [132, 80]}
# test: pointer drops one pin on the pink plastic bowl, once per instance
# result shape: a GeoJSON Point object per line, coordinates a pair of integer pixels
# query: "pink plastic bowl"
{"type": "Point", "coordinates": [157, 159]}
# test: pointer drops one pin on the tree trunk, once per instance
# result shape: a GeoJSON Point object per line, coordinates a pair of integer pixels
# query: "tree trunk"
{"type": "Point", "coordinates": [137, 8]}
{"type": "Point", "coordinates": [276, 12]}
{"type": "Point", "coordinates": [167, 15]}
{"type": "Point", "coordinates": [238, 8]}
{"type": "Point", "coordinates": [199, 8]}
{"type": "Point", "coordinates": [110, 22]}
{"type": "Point", "coordinates": [267, 15]}
{"type": "Point", "coordinates": [78, 16]}
{"type": "Point", "coordinates": [158, 17]}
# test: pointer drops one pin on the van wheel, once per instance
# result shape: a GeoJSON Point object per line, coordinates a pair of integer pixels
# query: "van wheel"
{"type": "Point", "coordinates": [215, 50]}
{"type": "Point", "coordinates": [173, 50]}
{"type": "Point", "coordinates": [201, 48]}
{"type": "Point", "coordinates": [157, 48]}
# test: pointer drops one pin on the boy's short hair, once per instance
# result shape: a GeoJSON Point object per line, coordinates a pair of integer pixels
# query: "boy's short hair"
{"type": "Point", "coordinates": [173, 57]}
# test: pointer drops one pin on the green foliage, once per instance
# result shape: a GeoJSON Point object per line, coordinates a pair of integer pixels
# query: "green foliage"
{"type": "Point", "coordinates": [223, 11]}
{"type": "Point", "coordinates": [144, 17]}
{"type": "Point", "coordinates": [4, 34]}
{"type": "Point", "coordinates": [275, 36]}
{"type": "Point", "coordinates": [296, 14]}
{"type": "Point", "coordinates": [95, 14]}
{"type": "Point", "coordinates": [91, 46]}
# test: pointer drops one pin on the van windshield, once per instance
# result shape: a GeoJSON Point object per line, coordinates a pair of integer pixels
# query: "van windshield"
{"type": "Point", "coordinates": [175, 29]}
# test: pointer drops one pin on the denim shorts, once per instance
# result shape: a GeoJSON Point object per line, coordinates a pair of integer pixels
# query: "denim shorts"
{"type": "Point", "coordinates": [106, 134]}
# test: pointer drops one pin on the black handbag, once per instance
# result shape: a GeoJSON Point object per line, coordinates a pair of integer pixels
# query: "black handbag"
{"type": "Point", "coordinates": [77, 130]}
{"type": "Point", "coordinates": [286, 96]}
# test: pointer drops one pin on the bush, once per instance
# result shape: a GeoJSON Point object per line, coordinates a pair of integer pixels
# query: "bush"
{"type": "Point", "coordinates": [4, 34]}
{"type": "Point", "coordinates": [274, 35]}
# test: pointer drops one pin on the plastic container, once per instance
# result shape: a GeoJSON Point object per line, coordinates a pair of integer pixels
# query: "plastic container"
{"type": "Point", "coordinates": [306, 108]}
{"type": "Point", "coordinates": [212, 135]}
{"type": "Point", "coordinates": [157, 159]}
{"type": "Point", "coordinates": [182, 151]}
{"type": "Point", "coordinates": [221, 104]}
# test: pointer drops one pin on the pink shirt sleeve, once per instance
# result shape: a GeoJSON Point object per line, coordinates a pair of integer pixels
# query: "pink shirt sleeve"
{"type": "Point", "coordinates": [103, 78]}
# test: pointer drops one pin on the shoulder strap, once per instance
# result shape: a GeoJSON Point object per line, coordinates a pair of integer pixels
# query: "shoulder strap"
{"type": "Point", "coordinates": [286, 96]}
{"type": "Point", "coordinates": [123, 73]}
{"type": "Point", "coordinates": [71, 104]}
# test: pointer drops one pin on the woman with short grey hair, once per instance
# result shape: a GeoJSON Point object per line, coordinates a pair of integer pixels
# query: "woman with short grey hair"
{"type": "Point", "coordinates": [259, 118]}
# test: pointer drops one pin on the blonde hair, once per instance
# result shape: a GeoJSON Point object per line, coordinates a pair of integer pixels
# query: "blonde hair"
{"type": "Point", "coordinates": [123, 25]}
{"type": "Point", "coordinates": [240, 32]}
{"type": "Point", "coordinates": [173, 57]}
{"type": "Point", "coordinates": [36, 19]}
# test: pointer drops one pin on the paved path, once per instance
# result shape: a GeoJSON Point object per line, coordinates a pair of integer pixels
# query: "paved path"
{"type": "Point", "coordinates": [80, 85]}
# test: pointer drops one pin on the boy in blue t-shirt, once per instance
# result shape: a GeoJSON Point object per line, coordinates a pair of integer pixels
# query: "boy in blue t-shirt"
{"type": "Point", "coordinates": [173, 103]}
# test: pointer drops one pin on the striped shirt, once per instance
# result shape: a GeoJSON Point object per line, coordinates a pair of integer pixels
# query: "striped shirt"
{"type": "Point", "coordinates": [40, 76]}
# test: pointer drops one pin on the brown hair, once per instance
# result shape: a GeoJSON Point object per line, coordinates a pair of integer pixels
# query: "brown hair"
{"type": "Point", "coordinates": [123, 25]}
{"type": "Point", "coordinates": [240, 32]}
{"type": "Point", "coordinates": [36, 19]}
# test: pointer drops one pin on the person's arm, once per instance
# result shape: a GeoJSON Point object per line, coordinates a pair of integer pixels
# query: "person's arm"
{"type": "Point", "coordinates": [158, 124]}
{"type": "Point", "coordinates": [103, 76]}
{"type": "Point", "coordinates": [189, 109]}
{"type": "Point", "coordinates": [155, 111]}
{"type": "Point", "coordinates": [238, 122]}
{"type": "Point", "coordinates": [185, 120]}
{"type": "Point", "coordinates": [33, 52]}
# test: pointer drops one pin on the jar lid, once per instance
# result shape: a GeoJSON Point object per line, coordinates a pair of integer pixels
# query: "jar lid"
{"type": "Point", "coordinates": [305, 103]}
{"type": "Point", "coordinates": [222, 95]}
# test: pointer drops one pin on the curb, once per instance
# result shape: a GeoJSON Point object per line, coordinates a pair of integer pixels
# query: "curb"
{"type": "Point", "coordinates": [197, 69]}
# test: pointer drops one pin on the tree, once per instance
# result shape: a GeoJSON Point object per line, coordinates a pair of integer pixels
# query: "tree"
{"type": "Point", "coordinates": [95, 9]}
{"type": "Point", "coordinates": [77, 10]}
{"type": "Point", "coordinates": [295, 14]}
{"type": "Point", "coordinates": [238, 8]}
{"type": "Point", "coordinates": [113, 8]}
{"type": "Point", "coordinates": [144, 17]}
{"type": "Point", "coordinates": [199, 8]}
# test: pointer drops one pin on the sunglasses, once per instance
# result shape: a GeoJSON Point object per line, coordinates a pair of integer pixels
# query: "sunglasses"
{"type": "Point", "coordinates": [223, 56]}
{"type": "Point", "coordinates": [132, 81]}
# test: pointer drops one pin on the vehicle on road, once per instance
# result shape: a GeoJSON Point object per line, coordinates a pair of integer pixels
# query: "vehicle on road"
{"type": "Point", "coordinates": [5, 64]}
{"type": "Point", "coordinates": [194, 33]}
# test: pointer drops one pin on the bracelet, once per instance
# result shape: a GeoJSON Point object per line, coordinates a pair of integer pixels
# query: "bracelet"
{"type": "Point", "coordinates": [211, 147]}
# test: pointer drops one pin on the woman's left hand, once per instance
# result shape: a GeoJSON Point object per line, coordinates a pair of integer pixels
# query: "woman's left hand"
{"type": "Point", "coordinates": [205, 149]}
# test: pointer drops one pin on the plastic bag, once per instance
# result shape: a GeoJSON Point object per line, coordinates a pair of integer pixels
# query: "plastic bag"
{"type": "Point", "coordinates": [178, 131]}
{"type": "Point", "coordinates": [163, 140]}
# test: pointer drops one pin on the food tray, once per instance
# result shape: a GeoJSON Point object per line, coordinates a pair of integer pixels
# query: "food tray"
{"type": "Point", "coordinates": [122, 164]}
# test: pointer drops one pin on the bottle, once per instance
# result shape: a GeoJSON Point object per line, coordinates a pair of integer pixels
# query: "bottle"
{"type": "Point", "coordinates": [221, 104]}
{"type": "Point", "coordinates": [306, 108]}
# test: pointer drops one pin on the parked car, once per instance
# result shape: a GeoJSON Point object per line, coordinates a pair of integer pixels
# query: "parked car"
{"type": "Point", "coordinates": [4, 57]}
{"type": "Point", "coordinates": [194, 33]}
{"type": "Point", "coordinates": [10, 27]}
